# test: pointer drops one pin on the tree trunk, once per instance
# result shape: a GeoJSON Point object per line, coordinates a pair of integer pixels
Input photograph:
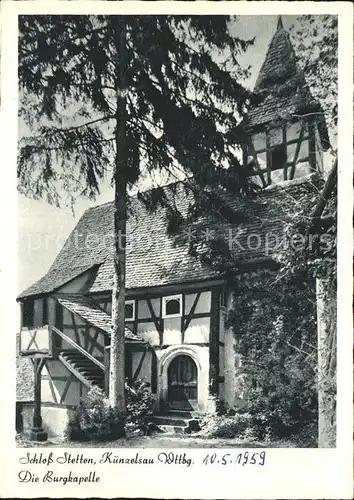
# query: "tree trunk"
{"type": "Point", "coordinates": [117, 356]}
{"type": "Point", "coordinates": [326, 192]}
{"type": "Point", "coordinates": [326, 325]}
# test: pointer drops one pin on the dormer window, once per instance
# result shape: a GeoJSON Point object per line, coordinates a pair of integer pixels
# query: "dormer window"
{"type": "Point", "coordinates": [130, 310]}
{"type": "Point", "coordinates": [172, 306]}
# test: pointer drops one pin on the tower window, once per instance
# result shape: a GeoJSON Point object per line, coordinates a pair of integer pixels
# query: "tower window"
{"type": "Point", "coordinates": [275, 154]}
{"type": "Point", "coordinates": [277, 157]}
{"type": "Point", "coordinates": [172, 306]}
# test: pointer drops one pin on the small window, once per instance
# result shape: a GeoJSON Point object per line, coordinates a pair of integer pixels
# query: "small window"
{"type": "Point", "coordinates": [172, 306]}
{"type": "Point", "coordinates": [130, 310]}
{"type": "Point", "coordinates": [277, 157]}
{"type": "Point", "coordinates": [28, 313]}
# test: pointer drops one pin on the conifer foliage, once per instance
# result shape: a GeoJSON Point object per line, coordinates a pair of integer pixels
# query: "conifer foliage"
{"type": "Point", "coordinates": [126, 96]}
{"type": "Point", "coordinates": [316, 43]}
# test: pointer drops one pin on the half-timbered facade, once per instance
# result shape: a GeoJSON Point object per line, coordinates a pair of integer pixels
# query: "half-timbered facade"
{"type": "Point", "coordinates": [176, 306]}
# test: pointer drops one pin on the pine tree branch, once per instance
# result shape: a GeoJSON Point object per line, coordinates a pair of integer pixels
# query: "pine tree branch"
{"type": "Point", "coordinates": [86, 124]}
{"type": "Point", "coordinates": [188, 72]}
{"type": "Point", "coordinates": [40, 148]}
{"type": "Point", "coordinates": [68, 40]}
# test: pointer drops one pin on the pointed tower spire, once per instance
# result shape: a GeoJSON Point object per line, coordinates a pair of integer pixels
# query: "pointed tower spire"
{"type": "Point", "coordinates": [280, 23]}
{"type": "Point", "coordinates": [282, 89]}
{"type": "Point", "coordinates": [280, 60]}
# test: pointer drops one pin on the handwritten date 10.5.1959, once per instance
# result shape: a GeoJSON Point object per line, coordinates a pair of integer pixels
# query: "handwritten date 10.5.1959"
{"type": "Point", "coordinates": [244, 458]}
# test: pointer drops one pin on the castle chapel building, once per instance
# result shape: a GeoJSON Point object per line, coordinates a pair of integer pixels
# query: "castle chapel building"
{"type": "Point", "coordinates": [176, 335]}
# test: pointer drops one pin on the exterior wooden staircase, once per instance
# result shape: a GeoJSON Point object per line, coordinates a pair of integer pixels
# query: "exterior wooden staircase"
{"type": "Point", "coordinates": [91, 372]}
{"type": "Point", "coordinates": [83, 368]}
{"type": "Point", "coordinates": [81, 363]}
{"type": "Point", "coordinates": [79, 360]}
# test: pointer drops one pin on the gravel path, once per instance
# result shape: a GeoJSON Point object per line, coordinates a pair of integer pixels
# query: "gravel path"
{"type": "Point", "coordinates": [157, 441]}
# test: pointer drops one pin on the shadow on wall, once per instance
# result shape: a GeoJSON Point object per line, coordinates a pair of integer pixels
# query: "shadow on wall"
{"type": "Point", "coordinates": [54, 419]}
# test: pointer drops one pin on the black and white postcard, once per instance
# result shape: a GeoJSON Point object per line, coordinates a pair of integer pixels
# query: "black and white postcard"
{"type": "Point", "coordinates": [177, 240]}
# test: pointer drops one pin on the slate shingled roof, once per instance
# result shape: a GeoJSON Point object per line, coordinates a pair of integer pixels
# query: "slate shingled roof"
{"type": "Point", "coordinates": [282, 88]}
{"type": "Point", "coordinates": [280, 61]}
{"type": "Point", "coordinates": [56, 275]}
{"type": "Point", "coordinates": [275, 107]}
{"type": "Point", "coordinates": [88, 310]}
{"type": "Point", "coordinates": [153, 257]}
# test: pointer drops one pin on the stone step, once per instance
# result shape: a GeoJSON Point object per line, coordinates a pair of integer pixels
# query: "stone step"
{"type": "Point", "coordinates": [186, 414]}
{"type": "Point", "coordinates": [173, 423]}
{"type": "Point", "coordinates": [170, 420]}
{"type": "Point", "coordinates": [173, 429]}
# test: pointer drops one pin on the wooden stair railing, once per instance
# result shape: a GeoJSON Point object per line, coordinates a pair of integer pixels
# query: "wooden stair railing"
{"type": "Point", "coordinates": [78, 347]}
{"type": "Point", "coordinates": [90, 372]}
{"type": "Point", "coordinates": [104, 367]}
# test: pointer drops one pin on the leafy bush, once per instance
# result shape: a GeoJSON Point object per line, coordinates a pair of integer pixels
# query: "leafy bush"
{"type": "Point", "coordinates": [276, 337]}
{"type": "Point", "coordinates": [94, 419]}
{"type": "Point", "coordinates": [251, 427]}
{"type": "Point", "coordinates": [140, 407]}
{"type": "Point", "coordinates": [307, 437]}
{"type": "Point", "coordinates": [222, 426]}
{"type": "Point", "coordinates": [222, 408]}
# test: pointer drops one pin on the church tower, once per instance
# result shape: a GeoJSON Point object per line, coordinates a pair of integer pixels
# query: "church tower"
{"type": "Point", "coordinates": [286, 126]}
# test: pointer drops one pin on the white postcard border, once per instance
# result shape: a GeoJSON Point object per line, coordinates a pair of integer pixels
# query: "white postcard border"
{"type": "Point", "coordinates": [287, 473]}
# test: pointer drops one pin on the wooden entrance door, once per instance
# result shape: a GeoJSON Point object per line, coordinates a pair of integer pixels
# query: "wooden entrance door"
{"type": "Point", "coordinates": [183, 383]}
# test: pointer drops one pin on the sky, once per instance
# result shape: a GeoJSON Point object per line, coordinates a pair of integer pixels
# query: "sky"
{"type": "Point", "coordinates": [43, 229]}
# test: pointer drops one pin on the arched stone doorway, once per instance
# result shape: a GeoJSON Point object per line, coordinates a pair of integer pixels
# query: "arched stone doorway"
{"type": "Point", "coordinates": [199, 355]}
{"type": "Point", "coordinates": [182, 378]}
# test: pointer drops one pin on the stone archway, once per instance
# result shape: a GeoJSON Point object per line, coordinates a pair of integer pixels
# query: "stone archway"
{"type": "Point", "coordinates": [199, 356]}
{"type": "Point", "coordinates": [182, 377]}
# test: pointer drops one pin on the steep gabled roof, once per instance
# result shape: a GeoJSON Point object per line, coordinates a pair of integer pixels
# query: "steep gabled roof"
{"type": "Point", "coordinates": [282, 89]}
{"type": "Point", "coordinates": [155, 258]}
{"type": "Point", "coordinates": [55, 278]}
